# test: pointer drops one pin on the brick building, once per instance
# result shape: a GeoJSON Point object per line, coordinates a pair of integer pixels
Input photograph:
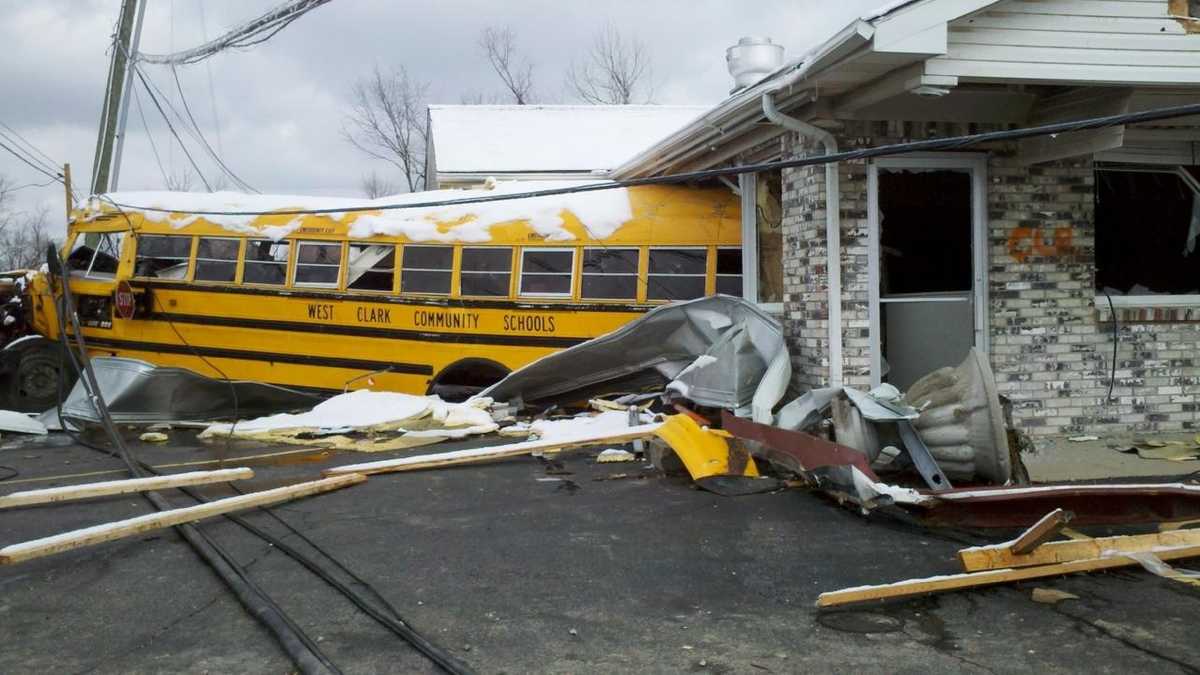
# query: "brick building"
{"type": "Point", "coordinates": [1026, 250]}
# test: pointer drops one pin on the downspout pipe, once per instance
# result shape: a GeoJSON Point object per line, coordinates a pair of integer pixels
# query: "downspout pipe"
{"type": "Point", "coordinates": [833, 227]}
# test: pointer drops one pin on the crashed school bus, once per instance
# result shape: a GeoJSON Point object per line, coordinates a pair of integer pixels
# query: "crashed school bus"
{"type": "Point", "coordinates": [439, 300]}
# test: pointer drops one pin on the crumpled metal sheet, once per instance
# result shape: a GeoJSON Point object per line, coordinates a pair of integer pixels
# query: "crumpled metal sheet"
{"type": "Point", "coordinates": [140, 392]}
{"type": "Point", "coordinates": [749, 370]}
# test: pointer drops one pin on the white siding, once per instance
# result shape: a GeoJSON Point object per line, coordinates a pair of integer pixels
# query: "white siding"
{"type": "Point", "coordinates": [1082, 41]}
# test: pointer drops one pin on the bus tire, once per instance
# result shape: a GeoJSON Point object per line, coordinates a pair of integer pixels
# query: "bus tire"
{"type": "Point", "coordinates": [463, 379]}
{"type": "Point", "coordinates": [32, 381]}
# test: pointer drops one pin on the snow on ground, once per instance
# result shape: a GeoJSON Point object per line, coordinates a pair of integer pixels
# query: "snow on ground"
{"type": "Point", "coordinates": [609, 421]}
{"type": "Point", "coordinates": [601, 211]}
{"type": "Point", "coordinates": [361, 408]}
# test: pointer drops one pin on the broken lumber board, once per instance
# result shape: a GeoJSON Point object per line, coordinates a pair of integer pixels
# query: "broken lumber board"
{"type": "Point", "coordinates": [96, 534]}
{"type": "Point", "coordinates": [953, 582]}
{"type": "Point", "coordinates": [117, 487]}
{"type": "Point", "coordinates": [999, 556]}
{"type": "Point", "coordinates": [1040, 532]}
{"type": "Point", "coordinates": [640, 432]}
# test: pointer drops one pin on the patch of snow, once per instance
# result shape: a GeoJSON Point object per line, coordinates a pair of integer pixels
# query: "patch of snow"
{"type": "Point", "coordinates": [609, 421]}
{"type": "Point", "coordinates": [601, 212]}
{"type": "Point", "coordinates": [880, 12]}
{"type": "Point", "coordinates": [362, 408]}
{"type": "Point", "coordinates": [615, 455]}
{"type": "Point", "coordinates": [702, 361]}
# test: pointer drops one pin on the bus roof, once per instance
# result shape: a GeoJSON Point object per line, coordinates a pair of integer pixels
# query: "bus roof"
{"type": "Point", "coordinates": [638, 214]}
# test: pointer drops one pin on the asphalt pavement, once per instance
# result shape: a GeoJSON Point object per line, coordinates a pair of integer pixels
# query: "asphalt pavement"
{"type": "Point", "coordinates": [535, 566]}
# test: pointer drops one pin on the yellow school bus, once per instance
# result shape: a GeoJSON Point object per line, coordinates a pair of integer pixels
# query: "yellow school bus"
{"type": "Point", "coordinates": [331, 304]}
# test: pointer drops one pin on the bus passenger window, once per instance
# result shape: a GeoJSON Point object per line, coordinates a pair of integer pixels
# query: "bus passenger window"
{"type": "Point", "coordinates": [729, 271]}
{"type": "Point", "coordinates": [610, 273]}
{"type": "Point", "coordinates": [96, 254]}
{"type": "Point", "coordinates": [266, 262]}
{"type": "Point", "coordinates": [162, 257]}
{"type": "Point", "coordinates": [486, 271]}
{"type": "Point", "coordinates": [426, 269]}
{"type": "Point", "coordinates": [372, 267]}
{"type": "Point", "coordinates": [547, 271]}
{"type": "Point", "coordinates": [676, 273]}
{"type": "Point", "coordinates": [318, 263]}
{"type": "Point", "coordinates": [216, 259]}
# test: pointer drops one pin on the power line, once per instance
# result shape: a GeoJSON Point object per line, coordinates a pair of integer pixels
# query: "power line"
{"type": "Point", "coordinates": [153, 99]}
{"type": "Point", "coordinates": [46, 159]}
{"type": "Point", "coordinates": [248, 34]}
{"type": "Point", "coordinates": [149, 136]}
{"type": "Point", "coordinates": [950, 143]}
{"type": "Point", "coordinates": [31, 164]}
{"type": "Point", "coordinates": [203, 141]}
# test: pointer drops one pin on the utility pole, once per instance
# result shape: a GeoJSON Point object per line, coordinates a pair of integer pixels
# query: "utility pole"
{"type": "Point", "coordinates": [115, 95]}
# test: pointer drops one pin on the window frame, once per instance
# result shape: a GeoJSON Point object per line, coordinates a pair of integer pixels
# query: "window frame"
{"type": "Point", "coordinates": [703, 275]}
{"type": "Point", "coordinates": [404, 268]}
{"type": "Point", "coordinates": [1157, 300]}
{"type": "Point", "coordinates": [237, 259]}
{"type": "Point", "coordinates": [462, 251]}
{"type": "Point", "coordinates": [187, 260]}
{"type": "Point", "coordinates": [245, 260]}
{"type": "Point", "coordinates": [636, 273]}
{"type": "Point", "coordinates": [296, 264]}
{"type": "Point", "coordinates": [396, 267]}
{"type": "Point", "coordinates": [716, 268]}
{"type": "Point", "coordinates": [570, 274]}
{"type": "Point", "coordinates": [103, 276]}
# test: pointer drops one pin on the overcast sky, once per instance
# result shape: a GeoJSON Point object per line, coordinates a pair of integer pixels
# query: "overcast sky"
{"type": "Point", "coordinates": [276, 110]}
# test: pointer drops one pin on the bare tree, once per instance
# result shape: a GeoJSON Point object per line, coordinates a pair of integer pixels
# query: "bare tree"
{"type": "Point", "coordinates": [478, 98]}
{"type": "Point", "coordinates": [614, 70]}
{"type": "Point", "coordinates": [516, 72]}
{"type": "Point", "coordinates": [375, 186]}
{"type": "Point", "coordinates": [23, 235]}
{"type": "Point", "coordinates": [387, 121]}
{"type": "Point", "coordinates": [179, 181]}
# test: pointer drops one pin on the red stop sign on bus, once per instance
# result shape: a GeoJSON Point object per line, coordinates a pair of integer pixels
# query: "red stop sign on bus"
{"type": "Point", "coordinates": [125, 301]}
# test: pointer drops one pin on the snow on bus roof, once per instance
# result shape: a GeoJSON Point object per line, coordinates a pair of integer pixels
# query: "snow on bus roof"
{"type": "Point", "coordinates": [602, 212]}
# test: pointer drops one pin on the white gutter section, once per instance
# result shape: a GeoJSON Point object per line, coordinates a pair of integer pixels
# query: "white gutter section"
{"type": "Point", "coordinates": [833, 228]}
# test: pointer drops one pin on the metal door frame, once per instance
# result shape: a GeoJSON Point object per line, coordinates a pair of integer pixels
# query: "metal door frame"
{"type": "Point", "coordinates": [976, 165]}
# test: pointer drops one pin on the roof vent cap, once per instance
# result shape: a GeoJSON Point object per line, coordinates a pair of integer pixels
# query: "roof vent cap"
{"type": "Point", "coordinates": [752, 59]}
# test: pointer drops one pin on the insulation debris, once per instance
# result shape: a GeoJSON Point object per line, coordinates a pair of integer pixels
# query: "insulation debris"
{"type": "Point", "coordinates": [20, 423]}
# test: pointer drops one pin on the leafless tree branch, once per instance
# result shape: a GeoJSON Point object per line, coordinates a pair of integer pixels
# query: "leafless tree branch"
{"type": "Point", "coordinates": [23, 235]}
{"type": "Point", "coordinates": [375, 186]}
{"type": "Point", "coordinates": [387, 121]}
{"type": "Point", "coordinates": [615, 70]}
{"type": "Point", "coordinates": [499, 46]}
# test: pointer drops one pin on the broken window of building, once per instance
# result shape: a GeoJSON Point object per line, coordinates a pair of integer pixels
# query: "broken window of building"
{"type": "Point", "coordinates": [266, 262]}
{"type": "Point", "coordinates": [372, 267]}
{"type": "Point", "coordinates": [162, 256]}
{"type": "Point", "coordinates": [1147, 224]}
{"type": "Point", "coordinates": [610, 273]}
{"type": "Point", "coordinates": [547, 271]}
{"type": "Point", "coordinates": [676, 273]}
{"type": "Point", "coordinates": [96, 254]}
{"type": "Point", "coordinates": [769, 223]}
{"type": "Point", "coordinates": [485, 271]}
{"type": "Point", "coordinates": [426, 269]}
{"type": "Point", "coordinates": [216, 259]}
{"type": "Point", "coordinates": [729, 271]}
{"type": "Point", "coordinates": [318, 263]}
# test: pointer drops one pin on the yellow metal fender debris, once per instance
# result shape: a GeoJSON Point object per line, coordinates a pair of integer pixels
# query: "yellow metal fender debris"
{"type": "Point", "coordinates": [705, 452]}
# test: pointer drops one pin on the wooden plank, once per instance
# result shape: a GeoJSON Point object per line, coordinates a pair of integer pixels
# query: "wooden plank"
{"type": "Point", "coordinates": [1080, 24]}
{"type": "Point", "coordinates": [1070, 39]}
{"type": "Point", "coordinates": [474, 455]}
{"type": "Point", "coordinates": [1040, 532]}
{"type": "Point", "coordinates": [951, 582]}
{"type": "Point", "coordinates": [117, 487]}
{"type": "Point", "coordinates": [979, 558]}
{"type": "Point", "coordinates": [1075, 56]}
{"type": "Point", "coordinates": [1059, 73]}
{"type": "Point", "coordinates": [96, 534]}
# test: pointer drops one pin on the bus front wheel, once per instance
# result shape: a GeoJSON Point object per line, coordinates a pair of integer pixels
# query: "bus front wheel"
{"type": "Point", "coordinates": [463, 379]}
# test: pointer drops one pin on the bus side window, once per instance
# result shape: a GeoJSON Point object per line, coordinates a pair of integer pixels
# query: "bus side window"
{"type": "Point", "coordinates": [729, 271]}
{"type": "Point", "coordinates": [610, 273]}
{"type": "Point", "coordinates": [372, 267]}
{"type": "Point", "coordinates": [486, 271]}
{"type": "Point", "coordinates": [318, 263]}
{"type": "Point", "coordinates": [96, 254]}
{"type": "Point", "coordinates": [676, 273]}
{"type": "Point", "coordinates": [266, 262]}
{"type": "Point", "coordinates": [547, 271]}
{"type": "Point", "coordinates": [162, 256]}
{"type": "Point", "coordinates": [426, 269]}
{"type": "Point", "coordinates": [216, 259]}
